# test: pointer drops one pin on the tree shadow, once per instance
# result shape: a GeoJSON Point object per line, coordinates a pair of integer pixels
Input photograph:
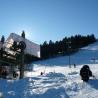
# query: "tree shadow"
{"type": "Point", "coordinates": [93, 83]}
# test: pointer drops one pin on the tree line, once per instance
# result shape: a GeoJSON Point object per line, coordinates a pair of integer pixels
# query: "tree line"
{"type": "Point", "coordinates": [66, 46]}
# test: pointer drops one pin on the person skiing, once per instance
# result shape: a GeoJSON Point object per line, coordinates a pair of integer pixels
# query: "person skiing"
{"type": "Point", "coordinates": [85, 73]}
{"type": "Point", "coordinates": [74, 65]}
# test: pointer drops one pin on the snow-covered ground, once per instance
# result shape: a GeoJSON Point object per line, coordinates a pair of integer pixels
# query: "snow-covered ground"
{"type": "Point", "coordinates": [58, 80]}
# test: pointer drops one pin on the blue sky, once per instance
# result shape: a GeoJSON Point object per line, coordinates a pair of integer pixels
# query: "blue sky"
{"type": "Point", "coordinates": [48, 19]}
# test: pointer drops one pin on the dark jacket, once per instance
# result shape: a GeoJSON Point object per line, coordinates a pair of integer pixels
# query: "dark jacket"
{"type": "Point", "coordinates": [85, 73]}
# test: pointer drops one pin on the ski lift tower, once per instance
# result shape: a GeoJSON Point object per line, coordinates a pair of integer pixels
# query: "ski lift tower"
{"type": "Point", "coordinates": [69, 48]}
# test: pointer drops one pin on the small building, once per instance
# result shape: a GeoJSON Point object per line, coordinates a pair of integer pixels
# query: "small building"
{"type": "Point", "coordinates": [31, 47]}
{"type": "Point", "coordinates": [9, 57]}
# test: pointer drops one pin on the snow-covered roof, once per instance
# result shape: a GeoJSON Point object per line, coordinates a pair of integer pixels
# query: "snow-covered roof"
{"type": "Point", "coordinates": [31, 47]}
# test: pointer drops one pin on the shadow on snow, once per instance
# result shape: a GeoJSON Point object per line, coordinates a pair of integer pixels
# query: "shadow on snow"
{"type": "Point", "coordinates": [93, 83]}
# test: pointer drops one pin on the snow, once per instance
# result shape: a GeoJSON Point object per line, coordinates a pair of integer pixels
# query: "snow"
{"type": "Point", "coordinates": [58, 80]}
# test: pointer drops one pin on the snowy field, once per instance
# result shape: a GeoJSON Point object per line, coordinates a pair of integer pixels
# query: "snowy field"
{"type": "Point", "coordinates": [58, 80]}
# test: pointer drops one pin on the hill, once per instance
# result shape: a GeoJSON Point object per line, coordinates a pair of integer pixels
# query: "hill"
{"type": "Point", "coordinates": [85, 55]}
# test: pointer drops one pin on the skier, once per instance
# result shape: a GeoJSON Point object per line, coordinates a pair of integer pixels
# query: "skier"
{"type": "Point", "coordinates": [41, 73]}
{"type": "Point", "coordinates": [74, 65]}
{"type": "Point", "coordinates": [85, 73]}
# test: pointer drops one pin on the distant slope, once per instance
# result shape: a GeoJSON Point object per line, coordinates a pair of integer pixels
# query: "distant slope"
{"type": "Point", "coordinates": [85, 55]}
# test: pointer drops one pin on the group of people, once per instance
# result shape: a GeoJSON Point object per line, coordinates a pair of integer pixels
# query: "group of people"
{"type": "Point", "coordinates": [4, 72]}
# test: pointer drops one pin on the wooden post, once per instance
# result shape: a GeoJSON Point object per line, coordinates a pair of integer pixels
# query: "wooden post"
{"type": "Point", "coordinates": [22, 46]}
{"type": "Point", "coordinates": [22, 65]}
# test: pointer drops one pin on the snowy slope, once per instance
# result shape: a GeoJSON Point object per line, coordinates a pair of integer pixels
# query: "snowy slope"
{"type": "Point", "coordinates": [58, 80]}
{"type": "Point", "coordinates": [85, 55]}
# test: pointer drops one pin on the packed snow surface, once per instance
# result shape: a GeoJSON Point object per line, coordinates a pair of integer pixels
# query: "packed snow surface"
{"type": "Point", "coordinates": [58, 80]}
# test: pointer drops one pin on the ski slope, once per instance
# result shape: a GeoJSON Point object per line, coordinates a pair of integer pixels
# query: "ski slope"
{"type": "Point", "coordinates": [84, 56]}
{"type": "Point", "coordinates": [58, 80]}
